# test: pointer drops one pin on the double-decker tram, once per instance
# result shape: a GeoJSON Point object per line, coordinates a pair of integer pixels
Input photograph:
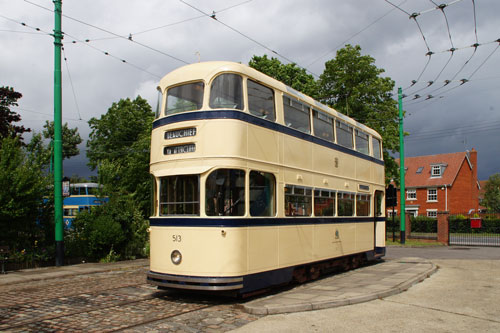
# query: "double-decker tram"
{"type": "Point", "coordinates": [257, 184]}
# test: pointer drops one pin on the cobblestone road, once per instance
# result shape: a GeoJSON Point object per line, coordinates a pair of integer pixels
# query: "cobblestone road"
{"type": "Point", "coordinates": [111, 301]}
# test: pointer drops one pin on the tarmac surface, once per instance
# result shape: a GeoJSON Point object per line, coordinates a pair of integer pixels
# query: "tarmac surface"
{"type": "Point", "coordinates": [445, 289]}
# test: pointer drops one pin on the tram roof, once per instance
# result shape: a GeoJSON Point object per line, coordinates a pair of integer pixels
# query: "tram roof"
{"type": "Point", "coordinates": [207, 70]}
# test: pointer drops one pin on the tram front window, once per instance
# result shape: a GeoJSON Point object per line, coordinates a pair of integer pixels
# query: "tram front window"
{"type": "Point", "coordinates": [186, 97]}
{"type": "Point", "coordinates": [179, 195]}
{"type": "Point", "coordinates": [225, 193]}
{"type": "Point", "coordinates": [226, 92]}
{"type": "Point", "coordinates": [262, 194]}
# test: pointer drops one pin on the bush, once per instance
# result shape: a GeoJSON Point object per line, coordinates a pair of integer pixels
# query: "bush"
{"type": "Point", "coordinates": [423, 224]}
{"type": "Point", "coordinates": [113, 231]}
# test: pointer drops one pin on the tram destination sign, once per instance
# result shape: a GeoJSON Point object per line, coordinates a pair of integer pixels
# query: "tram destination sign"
{"type": "Point", "coordinates": [182, 149]}
{"type": "Point", "coordinates": [182, 133]}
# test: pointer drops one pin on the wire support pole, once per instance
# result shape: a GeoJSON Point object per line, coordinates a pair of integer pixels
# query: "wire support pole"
{"type": "Point", "coordinates": [58, 165]}
{"type": "Point", "coordinates": [401, 166]}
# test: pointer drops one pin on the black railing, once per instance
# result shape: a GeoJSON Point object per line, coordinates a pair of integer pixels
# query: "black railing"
{"type": "Point", "coordinates": [474, 230]}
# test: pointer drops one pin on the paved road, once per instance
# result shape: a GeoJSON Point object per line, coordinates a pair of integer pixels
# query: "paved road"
{"type": "Point", "coordinates": [462, 296]}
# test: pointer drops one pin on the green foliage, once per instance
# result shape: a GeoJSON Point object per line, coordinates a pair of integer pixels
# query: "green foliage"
{"type": "Point", "coordinates": [462, 224]}
{"type": "Point", "coordinates": [70, 138]}
{"type": "Point", "coordinates": [423, 224]}
{"type": "Point", "coordinates": [290, 74]}
{"type": "Point", "coordinates": [351, 84]}
{"type": "Point", "coordinates": [24, 217]}
{"type": "Point", "coordinates": [8, 99]}
{"type": "Point", "coordinates": [119, 146]}
{"type": "Point", "coordinates": [491, 198]}
{"type": "Point", "coordinates": [113, 231]}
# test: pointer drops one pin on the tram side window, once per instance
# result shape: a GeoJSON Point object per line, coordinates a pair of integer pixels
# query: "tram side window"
{"type": "Point", "coordinates": [225, 193]}
{"type": "Point", "coordinates": [296, 115]}
{"type": "Point", "coordinates": [226, 92]}
{"type": "Point", "coordinates": [262, 194]}
{"type": "Point", "coordinates": [186, 97]}
{"type": "Point", "coordinates": [179, 195]}
{"type": "Point", "coordinates": [362, 142]}
{"type": "Point", "coordinates": [346, 204]}
{"type": "Point", "coordinates": [376, 148]}
{"type": "Point", "coordinates": [363, 204]}
{"type": "Point", "coordinates": [261, 101]}
{"type": "Point", "coordinates": [298, 201]}
{"type": "Point", "coordinates": [344, 134]}
{"type": "Point", "coordinates": [324, 203]}
{"type": "Point", "coordinates": [323, 126]}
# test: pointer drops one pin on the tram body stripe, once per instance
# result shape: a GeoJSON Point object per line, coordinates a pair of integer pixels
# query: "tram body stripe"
{"type": "Point", "coordinates": [239, 115]}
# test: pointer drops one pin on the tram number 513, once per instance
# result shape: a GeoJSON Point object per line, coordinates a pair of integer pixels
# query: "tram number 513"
{"type": "Point", "coordinates": [176, 238]}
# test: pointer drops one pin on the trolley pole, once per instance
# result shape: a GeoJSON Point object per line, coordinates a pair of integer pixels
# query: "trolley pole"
{"type": "Point", "coordinates": [401, 166]}
{"type": "Point", "coordinates": [58, 203]}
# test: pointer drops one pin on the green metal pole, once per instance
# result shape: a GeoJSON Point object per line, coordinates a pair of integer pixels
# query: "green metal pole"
{"type": "Point", "coordinates": [58, 200]}
{"type": "Point", "coordinates": [401, 166]}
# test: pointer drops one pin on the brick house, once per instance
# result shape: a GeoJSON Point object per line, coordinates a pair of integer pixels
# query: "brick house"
{"type": "Point", "coordinates": [444, 182]}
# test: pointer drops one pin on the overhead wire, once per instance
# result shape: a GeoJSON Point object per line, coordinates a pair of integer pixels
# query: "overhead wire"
{"type": "Point", "coordinates": [128, 38]}
{"type": "Point", "coordinates": [212, 16]}
{"type": "Point", "coordinates": [190, 19]}
{"type": "Point", "coordinates": [71, 83]}
{"type": "Point", "coordinates": [353, 35]}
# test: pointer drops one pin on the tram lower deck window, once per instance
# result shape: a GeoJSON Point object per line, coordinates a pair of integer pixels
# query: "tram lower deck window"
{"type": "Point", "coordinates": [298, 201]}
{"type": "Point", "coordinates": [179, 195]}
{"type": "Point", "coordinates": [225, 193]}
{"type": "Point", "coordinates": [262, 194]}
{"type": "Point", "coordinates": [363, 204]}
{"type": "Point", "coordinates": [346, 204]}
{"type": "Point", "coordinates": [324, 203]}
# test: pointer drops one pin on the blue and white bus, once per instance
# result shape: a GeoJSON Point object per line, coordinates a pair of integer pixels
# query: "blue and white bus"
{"type": "Point", "coordinates": [82, 197]}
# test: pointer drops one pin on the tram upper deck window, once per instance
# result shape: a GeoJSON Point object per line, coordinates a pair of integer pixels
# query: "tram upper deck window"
{"type": "Point", "coordinates": [261, 101]}
{"type": "Point", "coordinates": [344, 134]}
{"type": "Point", "coordinates": [186, 97]}
{"type": "Point", "coordinates": [296, 115]}
{"type": "Point", "coordinates": [179, 195]}
{"type": "Point", "coordinates": [225, 193]}
{"type": "Point", "coordinates": [323, 125]}
{"type": "Point", "coordinates": [362, 142]}
{"type": "Point", "coordinates": [262, 194]}
{"type": "Point", "coordinates": [226, 92]}
{"type": "Point", "coordinates": [376, 148]}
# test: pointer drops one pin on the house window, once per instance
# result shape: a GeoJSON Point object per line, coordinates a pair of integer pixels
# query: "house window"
{"type": "Point", "coordinates": [436, 171]}
{"type": "Point", "coordinates": [391, 213]}
{"type": "Point", "coordinates": [411, 194]}
{"type": "Point", "coordinates": [432, 213]}
{"type": "Point", "coordinates": [432, 194]}
{"type": "Point", "coordinates": [419, 170]}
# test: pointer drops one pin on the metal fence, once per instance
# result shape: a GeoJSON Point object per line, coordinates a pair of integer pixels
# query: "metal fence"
{"type": "Point", "coordinates": [474, 230]}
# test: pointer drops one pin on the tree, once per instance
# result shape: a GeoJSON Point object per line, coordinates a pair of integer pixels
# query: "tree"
{"type": "Point", "coordinates": [290, 74]}
{"type": "Point", "coordinates": [352, 84]}
{"type": "Point", "coordinates": [491, 198]}
{"type": "Point", "coordinates": [22, 189]}
{"type": "Point", "coordinates": [8, 98]}
{"type": "Point", "coordinates": [70, 138]}
{"type": "Point", "coordinates": [119, 147]}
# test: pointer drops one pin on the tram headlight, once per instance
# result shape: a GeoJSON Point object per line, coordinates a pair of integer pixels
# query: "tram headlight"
{"type": "Point", "coordinates": [176, 257]}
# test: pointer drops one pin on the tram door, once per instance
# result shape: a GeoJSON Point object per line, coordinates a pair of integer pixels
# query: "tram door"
{"type": "Point", "coordinates": [377, 212]}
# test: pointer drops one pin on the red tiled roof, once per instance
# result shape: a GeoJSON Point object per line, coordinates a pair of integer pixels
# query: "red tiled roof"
{"type": "Point", "coordinates": [452, 163]}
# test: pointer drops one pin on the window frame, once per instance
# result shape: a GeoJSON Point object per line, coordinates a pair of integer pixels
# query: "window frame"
{"type": "Point", "coordinates": [328, 195]}
{"type": "Point", "coordinates": [227, 202]}
{"type": "Point", "coordinates": [411, 194]}
{"type": "Point", "coordinates": [345, 128]}
{"type": "Point", "coordinates": [294, 191]}
{"type": "Point", "coordinates": [296, 107]}
{"type": "Point", "coordinates": [272, 204]}
{"type": "Point", "coordinates": [431, 196]}
{"type": "Point", "coordinates": [196, 195]}
{"type": "Point", "coordinates": [238, 105]}
{"type": "Point", "coordinates": [265, 114]}
{"type": "Point", "coordinates": [363, 137]}
{"type": "Point", "coordinates": [319, 122]}
{"type": "Point", "coordinates": [184, 84]}
{"type": "Point", "coordinates": [436, 171]}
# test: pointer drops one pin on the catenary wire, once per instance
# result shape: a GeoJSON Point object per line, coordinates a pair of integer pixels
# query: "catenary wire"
{"type": "Point", "coordinates": [113, 33]}
{"type": "Point", "coordinates": [71, 83]}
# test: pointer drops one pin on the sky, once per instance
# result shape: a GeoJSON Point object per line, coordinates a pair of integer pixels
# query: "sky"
{"type": "Point", "coordinates": [145, 40]}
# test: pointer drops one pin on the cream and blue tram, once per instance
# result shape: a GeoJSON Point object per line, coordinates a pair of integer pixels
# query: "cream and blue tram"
{"type": "Point", "coordinates": [257, 184]}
